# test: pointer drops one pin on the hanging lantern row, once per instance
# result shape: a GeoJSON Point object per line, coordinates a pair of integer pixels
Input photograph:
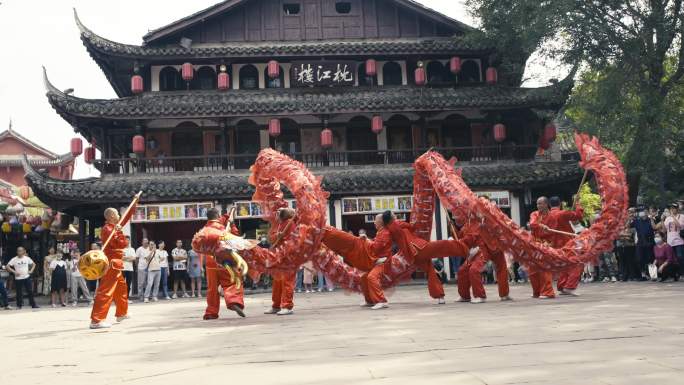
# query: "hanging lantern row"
{"type": "Point", "coordinates": [273, 69]}
{"type": "Point", "coordinates": [274, 128]}
{"type": "Point", "coordinates": [377, 124]}
{"type": "Point", "coordinates": [492, 76]}
{"type": "Point", "coordinates": [76, 147]}
{"type": "Point", "coordinates": [455, 65]}
{"type": "Point", "coordinates": [223, 78]}
{"type": "Point", "coordinates": [89, 154]}
{"type": "Point", "coordinates": [25, 192]}
{"type": "Point", "coordinates": [499, 132]}
{"type": "Point", "coordinates": [139, 144]}
{"type": "Point", "coordinates": [420, 75]}
{"type": "Point", "coordinates": [326, 138]}
{"type": "Point", "coordinates": [371, 67]}
{"type": "Point", "coordinates": [187, 72]}
{"type": "Point", "coordinates": [136, 84]}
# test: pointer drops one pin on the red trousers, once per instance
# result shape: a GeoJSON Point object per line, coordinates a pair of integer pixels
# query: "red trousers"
{"type": "Point", "coordinates": [112, 287]}
{"type": "Point", "coordinates": [570, 277]}
{"type": "Point", "coordinates": [437, 249]}
{"type": "Point", "coordinates": [231, 294]}
{"type": "Point", "coordinates": [541, 281]}
{"type": "Point", "coordinates": [283, 290]}
{"type": "Point", "coordinates": [371, 286]}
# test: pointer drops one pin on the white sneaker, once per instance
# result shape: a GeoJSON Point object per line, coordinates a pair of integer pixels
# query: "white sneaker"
{"type": "Point", "coordinates": [99, 325]}
{"type": "Point", "coordinates": [53, 305]}
{"type": "Point", "coordinates": [123, 318]}
{"type": "Point", "coordinates": [146, 300]}
{"type": "Point", "coordinates": [331, 290]}
{"type": "Point", "coordinates": [613, 279]}
{"type": "Point", "coordinates": [461, 299]}
{"type": "Point", "coordinates": [174, 296]}
{"type": "Point", "coordinates": [74, 304]}
{"type": "Point", "coordinates": [606, 279]}
{"type": "Point", "coordinates": [199, 295]}
{"type": "Point", "coordinates": [441, 301]}
{"type": "Point", "coordinates": [545, 297]}
{"type": "Point", "coordinates": [506, 298]}
{"type": "Point", "coordinates": [308, 291]}
{"type": "Point", "coordinates": [155, 299]}
{"type": "Point", "coordinates": [167, 298]}
{"type": "Point", "coordinates": [478, 300]}
{"type": "Point", "coordinates": [285, 312]}
{"type": "Point", "coordinates": [380, 305]}
{"type": "Point", "coordinates": [365, 304]}
{"type": "Point", "coordinates": [185, 295]}
{"type": "Point", "coordinates": [272, 310]}
{"type": "Point", "coordinates": [570, 292]}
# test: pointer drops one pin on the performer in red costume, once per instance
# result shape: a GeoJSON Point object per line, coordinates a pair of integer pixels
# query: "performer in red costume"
{"type": "Point", "coordinates": [365, 255]}
{"type": "Point", "coordinates": [560, 220]}
{"type": "Point", "coordinates": [541, 280]}
{"type": "Point", "coordinates": [469, 274]}
{"type": "Point", "coordinates": [283, 283]}
{"type": "Point", "coordinates": [112, 284]}
{"type": "Point", "coordinates": [422, 251]}
{"type": "Point", "coordinates": [233, 292]}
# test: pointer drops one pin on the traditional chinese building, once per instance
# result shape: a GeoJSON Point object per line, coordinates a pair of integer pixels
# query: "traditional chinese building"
{"type": "Point", "coordinates": [354, 89]}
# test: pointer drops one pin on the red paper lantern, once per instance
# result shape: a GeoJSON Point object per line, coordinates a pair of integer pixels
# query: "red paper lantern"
{"type": "Point", "coordinates": [326, 138]}
{"type": "Point", "coordinates": [25, 192]}
{"type": "Point", "coordinates": [89, 154]}
{"type": "Point", "coordinates": [499, 132]}
{"type": "Point", "coordinates": [223, 81]}
{"type": "Point", "coordinates": [187, 72]}
{"type": "Point", "coordinates": [543, 143]}
{"type": "Point", "coordinates": [455, 65]}
{"type": "Point", "coordinates": [550, 132]}
{"type": "Point", "coordinates": [492, 75]}
{"type": "Point", "coordinates": [371, 67]}
{"type": "Point", "coordinates": [377, 124]}
{"type": "Point", "coordinates": [274, 127]}
{"type": "Point", "coordinates": [136, 84]}
{"type": "Point", "coordinates": [420, 76]}
{"type": "Point", "coordinates": [273, 69]}
{"type": "Point", "coordinates": [139, 144]}
{"type": "Point", "coordinates": [76, 147]}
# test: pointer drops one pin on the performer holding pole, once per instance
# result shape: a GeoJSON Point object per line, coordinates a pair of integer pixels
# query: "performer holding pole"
{"type": "Point", "coordinates": [541, 280]}
{"type": "Point", "coordinates": [283, 283]}
{"type": "Point", "coordinates": [112, 283]}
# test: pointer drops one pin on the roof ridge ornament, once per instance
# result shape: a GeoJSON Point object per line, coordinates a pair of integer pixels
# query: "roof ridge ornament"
{"type": "Point", "coordinates": [82, 28]}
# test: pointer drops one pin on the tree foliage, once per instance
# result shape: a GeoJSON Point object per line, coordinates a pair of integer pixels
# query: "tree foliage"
{"type": "Point", "coordinates": [630, 94]}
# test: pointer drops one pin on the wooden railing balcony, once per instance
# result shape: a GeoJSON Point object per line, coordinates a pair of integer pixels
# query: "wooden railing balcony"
{"type": "Point", "coordinates": [209, 163]}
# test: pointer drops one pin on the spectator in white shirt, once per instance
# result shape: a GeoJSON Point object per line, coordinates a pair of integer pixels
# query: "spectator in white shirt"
{"type": "Point", "coordinates": [77, 279]}
{"type": "Point", "coordinates": [128, 259]}
{"type": "Point", "coordinates": [180, 269]}
{"type": "Point", "coordinates": [22, 267]}
{"type": "Point", "coordinates": [141, 255]}
{"type": "Point", "coordinates": [164, 271]}
{"type": "Point", "coordinates": [153, 273]}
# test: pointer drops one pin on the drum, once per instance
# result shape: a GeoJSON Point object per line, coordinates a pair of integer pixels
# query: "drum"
{"type": "Point", "coordinates": [93, 265]}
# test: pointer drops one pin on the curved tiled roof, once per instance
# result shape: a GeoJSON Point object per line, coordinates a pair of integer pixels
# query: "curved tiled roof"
{"type": "Point", "coordinates": [396, 179]}
{"type": "Point", "coordinates": [292, 101]}
{"type": "Point", "coordinates": [282, 49]}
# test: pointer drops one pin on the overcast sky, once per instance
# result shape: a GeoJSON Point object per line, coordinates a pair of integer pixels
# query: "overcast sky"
{"type": "Point", "coordinates": [42, 32]}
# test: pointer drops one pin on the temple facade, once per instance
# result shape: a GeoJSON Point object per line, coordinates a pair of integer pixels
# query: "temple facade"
{"type": "Point", "coordinates": [356, 90]}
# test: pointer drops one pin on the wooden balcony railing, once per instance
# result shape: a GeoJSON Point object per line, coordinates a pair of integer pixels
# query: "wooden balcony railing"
{"type": "Point", "coordinates": [483, 154]}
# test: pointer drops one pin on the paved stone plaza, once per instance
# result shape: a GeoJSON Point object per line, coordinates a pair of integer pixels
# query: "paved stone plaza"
{"type": "Point", "coordinates": [613, 334]}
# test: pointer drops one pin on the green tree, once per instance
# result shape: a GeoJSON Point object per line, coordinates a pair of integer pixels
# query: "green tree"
{"type": "Point", "coordinates": [633, 56]}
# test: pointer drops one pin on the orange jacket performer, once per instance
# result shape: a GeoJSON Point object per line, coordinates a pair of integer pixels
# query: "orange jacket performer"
{"type": "Point", "coordinates": [112, 284]}
{"type": "Point", "coordinates": [558, 219]}
{"type": "Point", "coordinates": [422, 251]}
{"type": "Point", "coordinates": [540, 280]}
{"type": "Point", "coordinates": [361, 254]}
{"type": "Point", "coordinates": [282, 294]}
{"type": "Point", "coordinates": [470, 272]}
{"type": "Point", "coordinates": [233, 293]}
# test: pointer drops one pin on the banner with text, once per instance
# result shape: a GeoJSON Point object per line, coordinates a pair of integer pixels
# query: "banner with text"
{"type": "Point", "coordinates": [323, 73]}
